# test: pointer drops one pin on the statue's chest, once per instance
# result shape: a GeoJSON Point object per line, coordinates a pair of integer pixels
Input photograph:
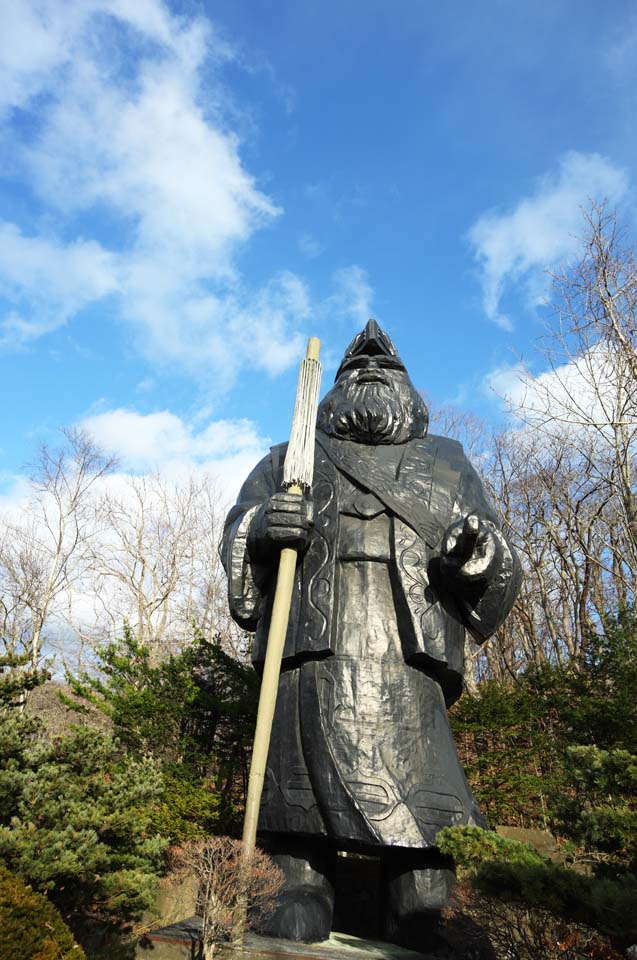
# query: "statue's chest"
{"type": "Point", "coordinates": [365, 527]}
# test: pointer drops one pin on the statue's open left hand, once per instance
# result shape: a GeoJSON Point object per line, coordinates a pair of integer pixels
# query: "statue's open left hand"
{"type": "Point", "coordinates": [470, 551]}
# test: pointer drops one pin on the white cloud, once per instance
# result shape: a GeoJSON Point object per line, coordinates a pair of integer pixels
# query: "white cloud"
{"type": "Point", "coordinates": [353, 295]}
{"type": "Point", "coordinates": [263, 327]}
{"type": "Point", "coordinates": [149, 153]}
{"type": "Point", "coordinates": [163, 442]}
{"type": "Point", "coordinates": [135, 166]}
{"type": "Point", "coordinates": [159, 443]}
{"type": "Point", "coordinates": [32, 46]}
{"type": "Point", "coordinates": [41, 39]}
{"type": "Point", "coordinates": [619, 51]}
{"type": "Point", "coordinates": [50, 281]}
{"type": "Point", "coordinates": [506, 382]}
{"type": "Point", "coordinates": [140, 181]}
{"type": "Point", "coordinates": [310, 246]}
{"type": "Point", "coordinates": [15, 491]}
{"type": "Point", "coordinates": [514, 247]}
{"type": "Point", "coordinates": [586, 399]}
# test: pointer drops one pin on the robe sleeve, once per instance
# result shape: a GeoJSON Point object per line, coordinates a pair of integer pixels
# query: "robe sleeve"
{"type": "Point", "coordinates": [485, 607]}
{"type": "Point", "coordinates": [247, 576]}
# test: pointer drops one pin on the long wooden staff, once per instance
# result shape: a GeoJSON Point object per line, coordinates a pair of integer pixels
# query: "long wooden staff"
{"type": "Point", "coordinates": [298, 472]}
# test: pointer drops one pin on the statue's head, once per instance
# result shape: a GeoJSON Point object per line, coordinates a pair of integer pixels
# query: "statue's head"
{"type": "Point", "coordinates": [373, 400]}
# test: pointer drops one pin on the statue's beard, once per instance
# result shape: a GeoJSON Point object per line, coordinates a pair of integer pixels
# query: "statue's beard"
{"type": "Point", "coordinates": [373, 412]}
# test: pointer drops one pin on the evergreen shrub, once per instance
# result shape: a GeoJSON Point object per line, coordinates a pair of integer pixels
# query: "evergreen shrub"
{"type": "Point", "coordinates": [75, 814]}
{"type": "Point", "coordinates": [194, 712]}
{"type": "Point", "coordinates": [556, 748]}
{"type": "Point", "coordinates": [30, 926]}
{"type": "Point", "coordinates": [493, 870]}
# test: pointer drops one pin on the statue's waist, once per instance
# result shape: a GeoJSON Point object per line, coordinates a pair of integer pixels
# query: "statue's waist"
{"type": "Point", "coordinates": [365, 539]}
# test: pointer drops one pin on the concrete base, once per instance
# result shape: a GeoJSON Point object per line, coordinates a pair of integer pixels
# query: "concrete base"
{"type": "Point", "coordinates": [180, 941]}
{"type": "Point", "coordinates": [173, 942]}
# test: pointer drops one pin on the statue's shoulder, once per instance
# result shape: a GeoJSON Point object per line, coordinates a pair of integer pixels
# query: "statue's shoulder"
{"type": "Point", "coordinates": [277, 459]}
{"type": "Point", "coordinates": [438, 447]}
{"type": "Point", "coordinates": [264, 473]}
{"type": "Point", "coordinates": [279, 449]}
{"type": "Point", "coordinates": [440, 458]}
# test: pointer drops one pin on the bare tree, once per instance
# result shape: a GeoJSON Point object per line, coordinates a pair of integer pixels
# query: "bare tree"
{"type": "Point", "coordinates": [563, 474]}
{"type": "Point", "coordinates": [44, 551]}
{"type": "Point", "coordinates": [472, 431]}
{"type": "Point", "coordinates": [588, 397]}
{"type": "Point", "coordinates": [513, 929]}
{"type": "Point", "coordinates": [156, 566]}
{"type": "Point", "coordinates": [224, 882]}
{"type": "Point", "coordinates": [561, 521]}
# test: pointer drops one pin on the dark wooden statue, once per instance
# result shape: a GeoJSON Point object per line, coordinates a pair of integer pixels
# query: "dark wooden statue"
{"type": "Point", "coordinates": [400, 554]}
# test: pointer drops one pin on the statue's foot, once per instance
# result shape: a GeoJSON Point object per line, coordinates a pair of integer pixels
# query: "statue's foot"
{"type": "Point", "coordinates": [303, 915]}
{"type": "Point", "coordinates": [415, 900]}
{"type": "Point", "coordinates": [306, 902]}
{"type": "Point", "coordinates": [420, 930]}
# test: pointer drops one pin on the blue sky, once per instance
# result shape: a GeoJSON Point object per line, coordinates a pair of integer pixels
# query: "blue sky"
{"type": "Point", "coordinates": [189, 190]}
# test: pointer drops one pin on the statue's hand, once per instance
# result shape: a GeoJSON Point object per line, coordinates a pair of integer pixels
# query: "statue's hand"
{"type": "Point", "coordinates": [471, 551]}
{"type": "Point", "coordinates": [283, 520]}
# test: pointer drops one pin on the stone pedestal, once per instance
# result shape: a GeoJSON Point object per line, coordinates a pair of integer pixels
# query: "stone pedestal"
{"type": "Point", "coordinates": [180, 941]}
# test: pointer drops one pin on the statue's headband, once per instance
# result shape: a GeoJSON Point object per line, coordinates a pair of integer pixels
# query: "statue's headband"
{"type": "Point", "coordinates": [372, 343]}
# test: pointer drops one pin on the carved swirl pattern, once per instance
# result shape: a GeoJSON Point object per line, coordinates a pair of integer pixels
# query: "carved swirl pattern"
{"type": "Point", "coordinates": [412, 561]}
{"type": "Point", "coordinates": [319, 556]}
{"type": "Point", "coordinates": [245, 594]}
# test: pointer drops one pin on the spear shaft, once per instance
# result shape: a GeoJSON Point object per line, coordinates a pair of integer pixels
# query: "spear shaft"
{"type": "Point", "coordinates": [297, 478]}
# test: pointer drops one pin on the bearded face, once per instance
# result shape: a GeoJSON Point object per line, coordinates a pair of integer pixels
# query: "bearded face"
{"type": "Point", "coordinates": [373, 406]}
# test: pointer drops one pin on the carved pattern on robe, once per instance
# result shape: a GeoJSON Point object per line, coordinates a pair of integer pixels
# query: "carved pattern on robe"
{"type": "Point", "coordinates": [245, 594]}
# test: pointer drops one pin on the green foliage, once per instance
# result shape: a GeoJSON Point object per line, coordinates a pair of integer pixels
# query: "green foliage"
{"type": "Point", "coordinates": [506, 744]}
{"type": "Point", "coordinates": [514, 872]}
{"type": "Point", "coordinates": [605, 905]}
{"type": "Point", "coordinates": [187, 810]}
{"type": "Point", "coordinates": [601, 813]}
{"type": "Point", "coordinates": [32, 929]}
{"type": "Point", "coordinates": [16, 677]}
{"type": "Point", "coordinates": [472, 846]}
{"type": "Point", "coordinates": [557, 747]}
{"type": "Point", "coordinates": [74, 817]}
{"type": "Point", "coordinates": [78, 825]}
{"type": "Point", "coordinates": [193, 711]}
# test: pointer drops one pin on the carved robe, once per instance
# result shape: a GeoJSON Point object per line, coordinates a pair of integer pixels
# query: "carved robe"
{"type": "Point", "coordinates": [361, 748]}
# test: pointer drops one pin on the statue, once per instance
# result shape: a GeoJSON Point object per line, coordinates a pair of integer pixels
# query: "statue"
{"type": "Point", "coordinates": [399, 555]}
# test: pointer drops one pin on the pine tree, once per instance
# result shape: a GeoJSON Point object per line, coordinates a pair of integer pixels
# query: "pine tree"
{"type": "Point", "coordinates": [75, 813]}
{"type": "Point", "coordinates": [557, 747]}
{"type": "Point", "coordinates": [194, 712]}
